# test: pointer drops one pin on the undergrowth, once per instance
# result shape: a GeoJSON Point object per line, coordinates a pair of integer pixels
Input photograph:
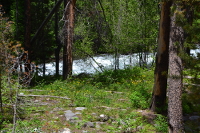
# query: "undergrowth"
{"type": "Point", "coordinates": [119, 94]}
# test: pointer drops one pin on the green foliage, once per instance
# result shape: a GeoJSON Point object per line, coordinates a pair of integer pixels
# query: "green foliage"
{"type": "Point", "coordinates": [140, 97]}
{"type": "Point", "coordinates": [120, 76]}
{"type": "Point", "coordinates": [161, 123]}
{"type": "Point", "coordinates": [133, 25]}
{"type": "Point", "coordinates": [9, 83]}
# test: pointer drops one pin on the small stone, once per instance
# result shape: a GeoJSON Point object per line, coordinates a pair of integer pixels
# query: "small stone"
{"type": "Point", "coordinates": [98, 124]}
{"type": "Point", "coordinates": [35, 130]}
{"type": "Point", "coordinates": [122, 122]}
{"type": "Point", "coordinates": [78, 113]}
{"type": "Point", "coordinates": [80, 108]}
{"type": "Point", "coordinates": [103, 117]}
{"type": "Point", "coordinates": [21, 93]}
{"type": "Point", "coordinates": [44, 104]}
{"type": "Point", "coordinates": [36, 101]}
{"type": "Point", "coordinates": [94, 114]}
{"type": "Point", "coordinates": [71, 105]}
{"type": "Point", "coordinates": [70, 115]}
{"type": "Point", "coordinates": [74, 121]}
{"type": "Point", "coordinates": [57, 109]}
{"type": "Point", "coordinates": [66, 130]}
{"type": "Point", "coordinates": [89, 124]}
{"type": "Point", "coordinates": [139, 127]}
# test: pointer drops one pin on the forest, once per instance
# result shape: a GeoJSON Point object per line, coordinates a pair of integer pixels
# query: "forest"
{"type": "Point", "coordinates": [99, 66]}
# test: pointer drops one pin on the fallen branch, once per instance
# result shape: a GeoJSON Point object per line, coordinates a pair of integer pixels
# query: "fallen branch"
{"type": "Point", "coordinates": [43, 96]}
{"type": "Point", "coordinates": [190, 77]}
{"type": "Point", "coordinates": [32, 90]}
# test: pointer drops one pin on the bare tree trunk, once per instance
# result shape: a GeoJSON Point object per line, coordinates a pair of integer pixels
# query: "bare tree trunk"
{"type": "Point", "coordinates": [68, 41]}
{"type": "Point", "coordinates": [58, 48]}
{"type": "Point", "coordinates": [16, 15]}
{"type": "Point", "coordinates": [46, 20]}
{"type": "Point", "coordinates": [158, 102]}
{"type": "Point", "coordinates": [27, 40]}
{"type": "Point", "coordinates": [175, 75]}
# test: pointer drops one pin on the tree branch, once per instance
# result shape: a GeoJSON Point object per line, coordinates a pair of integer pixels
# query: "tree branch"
{"type": "Point", "coordinates": [43, 96]}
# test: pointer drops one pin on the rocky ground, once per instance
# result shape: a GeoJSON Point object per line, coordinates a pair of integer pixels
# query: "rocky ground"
{"type": "Point", "coordinates": [73, 116]}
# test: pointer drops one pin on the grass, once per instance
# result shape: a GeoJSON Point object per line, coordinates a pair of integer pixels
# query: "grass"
{"type": "Point", "coordinates": [123, 95]}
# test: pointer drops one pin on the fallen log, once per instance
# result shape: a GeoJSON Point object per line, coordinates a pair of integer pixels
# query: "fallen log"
{"type": "Point", "coordinates": [20, 95]}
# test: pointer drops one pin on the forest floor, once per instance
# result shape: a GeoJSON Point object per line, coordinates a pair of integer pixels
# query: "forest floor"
{"type": "Point", "coordinates": [96, 104]}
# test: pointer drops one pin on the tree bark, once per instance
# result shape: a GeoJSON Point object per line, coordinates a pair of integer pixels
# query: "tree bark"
{"type": "Point", "coordinates": [27, 42]}
{"type": "Point", "coordinates": [68, 41]}
{"type": "Point", "coordinates": [175, 75]}
{"type": "Point", "coordinates": [58, 43]}
{"type": "Point", "coordinates": [158, 102]}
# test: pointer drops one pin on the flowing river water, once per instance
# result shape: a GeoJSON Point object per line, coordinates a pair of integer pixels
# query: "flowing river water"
{"type": "Point", "coordinates": [105, 61]}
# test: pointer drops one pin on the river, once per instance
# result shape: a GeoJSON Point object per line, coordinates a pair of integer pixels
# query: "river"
{"type": "Point", "coordinates": [104, 61]}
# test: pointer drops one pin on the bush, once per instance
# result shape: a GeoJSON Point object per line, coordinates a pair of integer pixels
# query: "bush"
{"type": "Point", "coordinates": [140, 97]}
{"type": "Point", "coordinates": [161, 124]}
{"type": "Point", "coordinates": [121, 76]}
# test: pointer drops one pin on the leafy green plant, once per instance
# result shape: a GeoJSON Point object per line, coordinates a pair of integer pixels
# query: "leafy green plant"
{"type": "Point", "coordinates": [140, 97]}
{"type": "Point", "coordinates": [118, 76]}
{"type": "Point", "coordinates": [161, 124]}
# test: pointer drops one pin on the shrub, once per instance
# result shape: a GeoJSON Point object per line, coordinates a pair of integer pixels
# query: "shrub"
{"type": "Point", "coordinates": [140, 97]}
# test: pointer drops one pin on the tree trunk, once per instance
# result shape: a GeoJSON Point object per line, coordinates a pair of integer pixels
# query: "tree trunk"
{"type": "Point", "coordinates": [68, 41]}
{"type": "Point", "coordinates": [189, 16]}
{"type": "Point", "coordinates": [175, 75]}
{"type": "Point", "coordinates": [58, 43]}
{"type": "Point", "coordinates": [46, 20]}
{"type": "Point", "coordinates": [27, 42]}
{"type": "Point", "coordinates": [158, 102]}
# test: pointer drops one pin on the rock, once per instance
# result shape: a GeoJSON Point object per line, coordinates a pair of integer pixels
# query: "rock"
{"type": "Point", "coordinates": [94, 114]}
{"type": "Point", "coordinates": [193, 118]}
{"type": "Point", "coordinates": [89, 124]}
{"type": "Point", "coordinates": [66, 130]}
{"type": "Point", "coordinates": [57, 109]}
{"type": "Point", "coordinates": [122, 122]}
{"type": "Point", "coordinates": [70, 115]}
{"type": "Point", "coordinates": [103, 117]}
{"type": "Point", "coordinates": [80, 108]}
{"type": "Point", "coordinates": [36, 101]}
{"type": "Point", "coordinates": [98, 124]}
{"type": "Point", "coordinates": [71, 105]}
{"type": "Point", "coordinates": [35, 130]}
{"type": "Point", "coordinates": [139, 127]}
{"type": "Point", "coordinates": [78, 113]}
